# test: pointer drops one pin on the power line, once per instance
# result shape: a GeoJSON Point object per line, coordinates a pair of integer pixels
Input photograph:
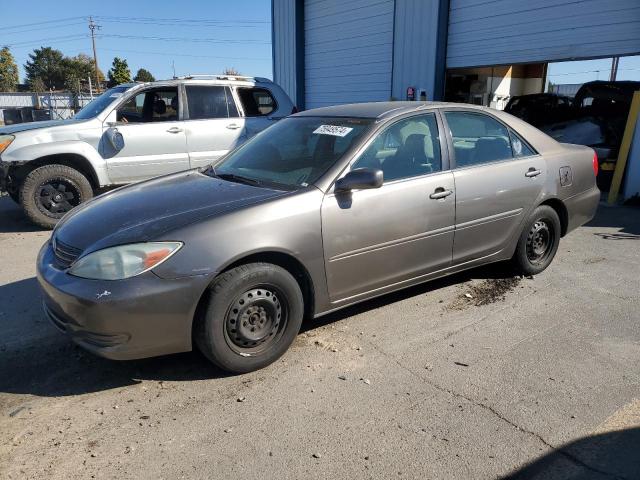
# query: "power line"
{"type": "Point", "coordinates": [5, 28]}
{"type": "Point", "coordinates": [41, 41]}
{"type": "Point", "coordinates": [41, 28]}
{"type": "Point", "coordinates": [179, 20]}
{"type": "Point", "coordinates": [183, 39]}
{"type": "Point", "coordinates": [171, 54]}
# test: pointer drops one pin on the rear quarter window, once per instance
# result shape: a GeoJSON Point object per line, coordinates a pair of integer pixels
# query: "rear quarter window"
{"type": "Point", "coordinates": [257, 102]}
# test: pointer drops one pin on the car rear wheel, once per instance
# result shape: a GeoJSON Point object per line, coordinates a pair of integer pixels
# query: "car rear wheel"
{"type": "Point", "coordinates": [252, 315]}
{"type": "Point", "coordinates": [538, 242]}
{"type": "Point", "coordinates": [50, 191]}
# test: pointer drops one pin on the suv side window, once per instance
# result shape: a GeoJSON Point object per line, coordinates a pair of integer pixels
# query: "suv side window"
{"type": "Point", "coordinates": [478, 138]}
{"type": "Point", "coordinates": [155, 105]}
{"type": "Point", "coordinates": [210, 101]}
{"type": "Point", "coordinates": [408, 148]}
{"type": "Point", "coordinates": [256, 102]}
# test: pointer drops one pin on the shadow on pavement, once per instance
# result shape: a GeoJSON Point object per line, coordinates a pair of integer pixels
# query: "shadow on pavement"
{"type": "Point", "coordinates": [36, 359]}
{"type": "Point", "coordinates": [626, 219]}
{"type": "Point", "coordinates": [607, 455]}
{"type": "Point", "coordinates": [13, 220]}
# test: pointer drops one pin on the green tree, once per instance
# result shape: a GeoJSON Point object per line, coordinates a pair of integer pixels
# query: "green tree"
{"type": "Point", "coordinates": [46, 64]}
{"type": "Point", "coordinates": [119, 72]}
{"type": "Point", "coordinates": [77, 71]}
{"type": "Point", "coordinates": [144, 75]}
{"type": "Point", "coordinates": [8, 71]}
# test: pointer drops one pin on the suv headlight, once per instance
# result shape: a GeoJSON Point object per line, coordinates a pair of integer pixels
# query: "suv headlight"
{"type": "Point", "coordinates": [124, 261]}
{"type": "Point", "coordinates": [5, 141]}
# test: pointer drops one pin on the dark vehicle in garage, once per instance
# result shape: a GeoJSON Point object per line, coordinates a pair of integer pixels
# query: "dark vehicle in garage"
{"type": "Point", "coordinates": [326, 208]}
{"type": "Point", "coordinates": [598, 119]}
{"type": "Point", "coordinates": [537, 108]}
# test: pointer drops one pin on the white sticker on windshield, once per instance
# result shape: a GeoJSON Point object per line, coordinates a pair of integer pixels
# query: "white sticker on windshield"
{"type": "Point", "coordinates": [335, 130]}
{"type": "Point", "coordinates": [115, 95]}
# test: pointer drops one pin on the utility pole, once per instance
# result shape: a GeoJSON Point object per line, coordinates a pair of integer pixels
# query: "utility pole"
{"type": "Point", "coordinates": [173, 65]}
{"type": "Point", "coordinates": [614, 69]}
{"type": "Point", "coordinates": [93, 27]}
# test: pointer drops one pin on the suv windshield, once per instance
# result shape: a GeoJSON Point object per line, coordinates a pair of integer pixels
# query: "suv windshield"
{"type": "Point", "coordinates": [293, 153]}
{"type": "Point", "coordinates": [98, 104]}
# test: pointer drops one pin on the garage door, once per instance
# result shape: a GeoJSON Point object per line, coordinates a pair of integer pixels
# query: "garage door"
{"type": "Point", "coordinates": [495, 32]}
{"type": "Point", "coordinates": [348, 51]}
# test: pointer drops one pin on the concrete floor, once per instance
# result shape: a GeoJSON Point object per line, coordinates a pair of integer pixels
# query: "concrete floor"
{"type": "Point", "coordinates": [541, 381]}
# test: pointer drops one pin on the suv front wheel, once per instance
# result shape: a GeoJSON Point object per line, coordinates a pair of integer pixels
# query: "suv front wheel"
{"type": "Point", "coordinates": [50, 191]}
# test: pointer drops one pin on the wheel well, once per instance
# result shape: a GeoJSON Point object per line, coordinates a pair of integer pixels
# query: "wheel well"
{"type": "Point", "coordinates": [561, 210]}
{"type": "Point", "coordinates": [72, 160]}
{"type": "Point", "coordinates": [293, 266]}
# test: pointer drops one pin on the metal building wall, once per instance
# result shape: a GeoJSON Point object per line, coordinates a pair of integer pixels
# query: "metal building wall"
{"type": "Point", "coordinates": [495, 32]}
{"type": "Point", "coordinates": [283, 44]}
{"type": "Point", "coordinates": [419, 47]}
{"type": "Point", "coordinates": [348, 51]}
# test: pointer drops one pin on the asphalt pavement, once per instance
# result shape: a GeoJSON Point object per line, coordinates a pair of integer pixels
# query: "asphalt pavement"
{"type": "Point", "coordinates": [479, 375]}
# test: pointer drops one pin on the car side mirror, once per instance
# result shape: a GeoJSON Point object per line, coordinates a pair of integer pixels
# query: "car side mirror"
{"type": "Point", "coordinates": [360, 179]}
{"type": "Point", "coordinates": [115, 138]}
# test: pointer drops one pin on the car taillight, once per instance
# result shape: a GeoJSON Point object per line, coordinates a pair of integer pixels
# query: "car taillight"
{"type": "Point", "coordinates": [595, 164]}
{"type": "Point", "coordinates": [294, 110]}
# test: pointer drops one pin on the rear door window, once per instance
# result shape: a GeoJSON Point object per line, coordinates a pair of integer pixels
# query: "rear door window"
{"type": "Point", "coordinates": [257, 102]}
{"type": "Point", "coordinates": [478, 138]}
{"type": "Point", "coordinates": [209, 102]}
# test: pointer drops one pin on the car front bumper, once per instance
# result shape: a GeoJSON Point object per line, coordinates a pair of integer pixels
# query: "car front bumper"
{"type": "Point", "coordinates": [143, 316]}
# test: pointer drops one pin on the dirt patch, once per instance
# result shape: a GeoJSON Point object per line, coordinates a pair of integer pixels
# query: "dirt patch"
{"type": "Point", "coordinates": [488, 291]}
{"type": "Point", "coordinates": [589, 261]}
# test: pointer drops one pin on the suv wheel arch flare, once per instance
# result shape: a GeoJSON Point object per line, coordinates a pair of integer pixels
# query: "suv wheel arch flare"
{"type": "Point", "coordinates": [73, 160]}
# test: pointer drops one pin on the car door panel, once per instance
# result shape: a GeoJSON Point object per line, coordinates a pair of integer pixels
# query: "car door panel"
{"type": "Point", "coordinates": [492, 201]}
{"type": "Point", "coordinates": [150, 149]}
{"type": "Point", "coordinates": [213, 126]}
{"type": "Point", "coordinates": [374, 238]}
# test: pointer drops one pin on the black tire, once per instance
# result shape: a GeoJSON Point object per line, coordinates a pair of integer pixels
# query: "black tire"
{"type": "Point", "coordinates": [538, 242]}
{"type": "Point", "coordinates": [50, 191]}
{"type": "Point", "coordinates": [252, 315]}
{"type": "Point", "coordinates": [15, 195]}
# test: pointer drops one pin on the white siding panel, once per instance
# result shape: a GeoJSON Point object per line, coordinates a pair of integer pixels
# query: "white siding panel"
{"type": "Point", "coordinates": [494, 32]}
{"type": "Point", "coordinates": [348, 51]}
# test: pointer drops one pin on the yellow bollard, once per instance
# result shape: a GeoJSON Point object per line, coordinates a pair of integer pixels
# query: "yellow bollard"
{"type": "Point", "coordinates": [625, 146]}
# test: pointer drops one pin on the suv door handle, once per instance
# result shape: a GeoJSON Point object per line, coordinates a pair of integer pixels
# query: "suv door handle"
{"type": "Point", "coordinates": [174, 130]}
{"type": "Point", "coordinates": [532, 172]}
{"type": "Point", "coordinates": [233, 126]}
{"type": "Point", "coordinates": [439, 193]}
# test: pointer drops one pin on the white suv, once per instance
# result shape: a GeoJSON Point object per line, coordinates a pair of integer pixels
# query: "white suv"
{"type": "Point", "coordinates": [133, 132]}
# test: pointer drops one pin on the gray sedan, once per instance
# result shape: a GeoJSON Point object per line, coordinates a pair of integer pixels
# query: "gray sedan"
{"type": "Point", "coordinates": [325, 209]}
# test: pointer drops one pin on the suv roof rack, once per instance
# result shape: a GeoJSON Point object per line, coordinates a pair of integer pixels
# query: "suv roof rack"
{"type": "Point", "coordinates": [223, 77]}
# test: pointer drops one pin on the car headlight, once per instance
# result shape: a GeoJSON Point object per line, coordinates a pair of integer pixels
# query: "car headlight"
{"type": "Point", "coordinates": [124, 261]}
{"type": "Point", "coordinates": [5, 141]}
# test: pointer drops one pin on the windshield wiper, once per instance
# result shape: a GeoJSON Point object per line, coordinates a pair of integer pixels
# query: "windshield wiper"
{"type": "Point", "coordinates": [232, 177]}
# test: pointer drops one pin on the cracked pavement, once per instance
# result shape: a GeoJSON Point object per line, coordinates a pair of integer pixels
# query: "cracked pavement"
{"type": "Point", "coordinates": [540, 381]}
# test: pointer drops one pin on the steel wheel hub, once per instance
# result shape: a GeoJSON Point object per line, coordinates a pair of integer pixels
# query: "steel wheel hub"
{"type": "Point", "coordinates": [539, 240]}
{"type": "Point", "coordinates": [254, 319]}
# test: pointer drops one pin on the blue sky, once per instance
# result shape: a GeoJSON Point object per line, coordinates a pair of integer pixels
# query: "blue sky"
{"type": "Point", "coordinates": [208, 36]}
{"type": "Point", "coordinates": [213, 34]}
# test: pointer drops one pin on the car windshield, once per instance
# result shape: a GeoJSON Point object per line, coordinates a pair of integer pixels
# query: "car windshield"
{"type": "Point", "coordinates": [293, 153]}
{"type": "Point", "coordinates": [98, 104]}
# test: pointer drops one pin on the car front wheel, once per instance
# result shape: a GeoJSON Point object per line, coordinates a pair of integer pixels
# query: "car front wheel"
{"type": "Point", "coordinates": [50, 191]}
{"type": "Point", "coordinates": [253, 313]}
{"type": "Point", "coordinates": [538, 242]}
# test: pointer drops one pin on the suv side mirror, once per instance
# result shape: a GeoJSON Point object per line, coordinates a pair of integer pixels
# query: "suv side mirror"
{"type": "Point", "coordinates": [360, 179]}
{"type": "Point", "coordinates": [115, 138]}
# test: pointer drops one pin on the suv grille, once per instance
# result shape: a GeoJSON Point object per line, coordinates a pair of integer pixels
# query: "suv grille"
{"type": "Point", "coordinates": [65, 254]}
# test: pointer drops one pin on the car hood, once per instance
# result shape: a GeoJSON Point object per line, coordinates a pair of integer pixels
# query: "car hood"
{"type": "Point", "coordinates": [145, 211]}
{"type": "Point", "coordinates": [23, 127]}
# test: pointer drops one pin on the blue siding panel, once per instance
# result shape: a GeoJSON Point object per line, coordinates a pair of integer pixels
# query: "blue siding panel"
{"type": "Point", "coordinates": [416, 47]}
{"type": "Point", "coordinates": [348, 51]}
{"type": "Point", "coordinates": [499, 32]}
{"type": "Point", "coordinates": [283, 25]}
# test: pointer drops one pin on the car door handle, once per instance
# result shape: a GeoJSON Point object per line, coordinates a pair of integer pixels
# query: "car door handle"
{"type": "Point", "coordinates": [233, 126]}
{"type": "Point", "coordinates": [440, 193]}
{"type": "Point", "coordinates": [174, 130]}
{"type": "Point", "coordinates": [532, 172]}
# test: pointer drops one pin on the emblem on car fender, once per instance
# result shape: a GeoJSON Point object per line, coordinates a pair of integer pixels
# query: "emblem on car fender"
{"type": "Point", "coordinates": [566, 176]}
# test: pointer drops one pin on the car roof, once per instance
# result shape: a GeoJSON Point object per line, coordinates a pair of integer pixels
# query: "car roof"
{"type": "Point", "coordinates": [378, 110]}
